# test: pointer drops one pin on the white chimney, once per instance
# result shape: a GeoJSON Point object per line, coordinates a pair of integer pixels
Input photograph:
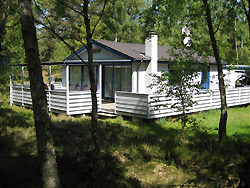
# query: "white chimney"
{"type": "Point", "coordinates": [151, 50]}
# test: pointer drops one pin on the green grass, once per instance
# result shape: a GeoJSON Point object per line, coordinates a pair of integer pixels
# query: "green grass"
{"type": "Point", "coordinates": [238, 121]}
{"type": "Point", "coordinates": [134, 153]}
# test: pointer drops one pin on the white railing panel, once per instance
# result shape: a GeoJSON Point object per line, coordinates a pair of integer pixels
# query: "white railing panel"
{"type": "Point", "coordinates": [80, 102]}
{"type": "Point", "coordinates": [131, 104]}
{"type": "Point", "coordinates": [56, 100]}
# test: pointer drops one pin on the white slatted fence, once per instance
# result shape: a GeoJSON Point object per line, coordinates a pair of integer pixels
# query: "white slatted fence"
{"type": "Point", "coordinates": [79, 101]}
{"type": "Point", "coordinates": [151, 106]}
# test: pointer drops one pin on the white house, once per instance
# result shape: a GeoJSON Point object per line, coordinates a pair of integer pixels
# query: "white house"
{"type": "Point", "coordinates": [122, 76]}
{"type": "Point", "coordinates": [125, 67]}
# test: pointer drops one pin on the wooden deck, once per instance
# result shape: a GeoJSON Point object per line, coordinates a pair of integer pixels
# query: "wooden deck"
{"type": "Point", "coordinates": [108, 107]}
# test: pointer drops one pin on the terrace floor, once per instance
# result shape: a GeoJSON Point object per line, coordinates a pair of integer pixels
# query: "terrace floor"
{"type": "Point", "coordinates": [107, 110]}
{"type": "Point", "coordinates": [108, 107]}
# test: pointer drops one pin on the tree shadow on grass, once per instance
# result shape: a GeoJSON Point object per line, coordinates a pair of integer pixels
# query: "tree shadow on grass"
{"type": "Point", "coordinates": [74, 155]}
{"type": "Point", "coordinates": [19, 163]}
{"type": "Point", "coordinates": [214, 164]}
{"type": "Point", "coordinates": [19, 171]}
{"type": "Point", "coordinates": [121, 146]}
{"type": "Point", "coordinates": [211, 163]}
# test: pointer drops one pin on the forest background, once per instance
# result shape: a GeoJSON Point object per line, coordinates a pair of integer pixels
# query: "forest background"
{"type": "Point", "coordinates": [129, 21]}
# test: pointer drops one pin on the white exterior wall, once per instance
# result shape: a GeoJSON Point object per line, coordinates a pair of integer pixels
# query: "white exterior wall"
{"type": "Point", "coordinates": [140, 68]}
{"type": "Point", "coordinates": [214, 82]}
{"type": "Point", "coordinates": [230, 77]}
{"type": "Point", "coordinates": [138, 71]}
{"type": "Point", "coordinates": [151, 50]}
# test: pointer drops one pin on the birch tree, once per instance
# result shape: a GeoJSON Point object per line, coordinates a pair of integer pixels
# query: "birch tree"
{"type": "Point", "coordinates": [45, 144]}
{"type": "Point", "coordinates": [246, 5]}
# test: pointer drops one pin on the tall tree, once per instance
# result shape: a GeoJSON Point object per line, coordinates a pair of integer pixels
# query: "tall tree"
{"type": "Point", "coordinates": [123, 21]}
{"type": "Point", "coordinates": [3, 19]}
{"type": "Point", "coordinates": [94, 115]}
{"type": "Point", "coordinates": [45, 144]}
{"type": "Point", "coordinates": [246, 5]}
{"type": "Point", "coordinates": [223, 117]}
{"type": "Point", "coordinates": [85, 10]}
{"type": "Point", "coordinates": [168, 17]}
{"type": "Point", "coordinates": [243, 17]}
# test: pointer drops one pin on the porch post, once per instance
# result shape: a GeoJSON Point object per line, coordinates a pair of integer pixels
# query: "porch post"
{"type": "Point", "coordinates": [22, 84]}
{"type": "Point", "coordinates": [50, 76]}
{"type": "Point", "coordinates": [49, 90]}
{"type": "Point", "coordinates": [115, 103]}
{"type": "Point", "coordinates": [100, 85]}
{"type": "Point", "coordinates": [148, 106]}
{"type": "Point", "coordinates": [67, 89]}
{"type": "Point", "coordinates": [11, 94]}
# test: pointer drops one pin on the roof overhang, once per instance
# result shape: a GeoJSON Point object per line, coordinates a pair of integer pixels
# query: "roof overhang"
{"type": "Point", "coordinates": [79, 51]}
{"type": "Point", "coordinates": [79, 62]}
{"type": "Point", "coordinates": [239, 67]}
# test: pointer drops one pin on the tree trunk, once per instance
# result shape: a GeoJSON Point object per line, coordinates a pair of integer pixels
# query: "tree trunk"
{"type": "Point", "coordinates": [236, 41]}
{"type": "Point", "coordinates": [247, 12]}
{"type": "Point", "coordinates": [42, 120]}
{"type": "Point", "coordinates": [223, 117]}
{"type": "Point", "coordinates": [94, 115]}
{"type": "Point", "coordinates": [3, 19]}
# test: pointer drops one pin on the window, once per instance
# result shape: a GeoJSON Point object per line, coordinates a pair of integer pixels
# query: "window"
{"type": "Point", "coordinates": [79, 78]}
{"type": "Point", "coordinates": [75, 78]}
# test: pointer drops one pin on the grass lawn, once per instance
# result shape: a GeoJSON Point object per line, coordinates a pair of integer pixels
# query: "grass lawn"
{"type": "Point", "coordinates": [134, 153]}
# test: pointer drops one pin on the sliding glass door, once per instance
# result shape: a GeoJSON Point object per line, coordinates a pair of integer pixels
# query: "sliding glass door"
{"type": "Point", "coordinates": [116, 78]}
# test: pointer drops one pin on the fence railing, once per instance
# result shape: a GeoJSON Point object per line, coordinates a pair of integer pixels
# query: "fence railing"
{"type": "Point", "coordinates": [80, 102]}
{"type": "Point", "coordinates": [151, 106]}
{"type": "Point", "coordinates": [76, 102]}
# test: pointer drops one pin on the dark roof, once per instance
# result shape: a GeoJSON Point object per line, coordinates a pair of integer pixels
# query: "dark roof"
{"type": "Point", "coordinates": [137, 51]}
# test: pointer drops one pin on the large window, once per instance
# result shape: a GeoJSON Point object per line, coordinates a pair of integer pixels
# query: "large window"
{"type": "Point", "coordinates": [79, 78]}
{"type": "Point", "coordinates": [75, 78]}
